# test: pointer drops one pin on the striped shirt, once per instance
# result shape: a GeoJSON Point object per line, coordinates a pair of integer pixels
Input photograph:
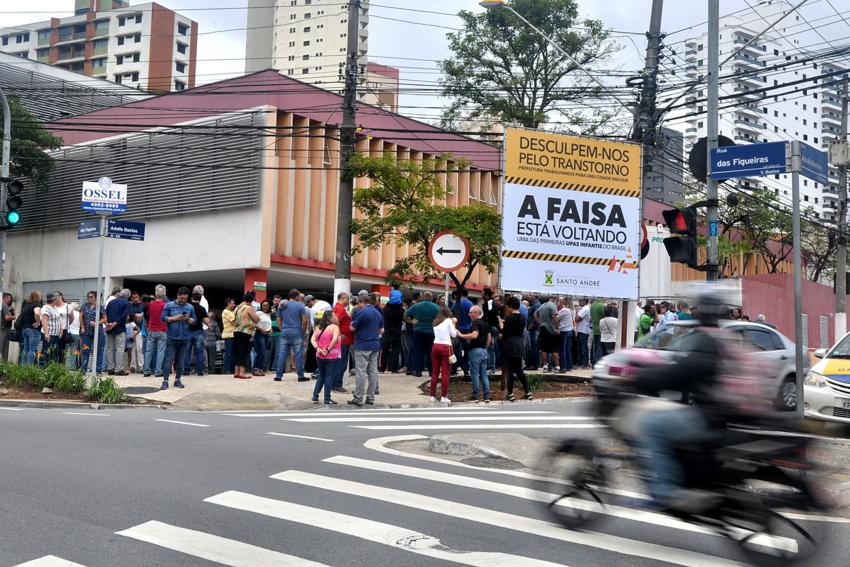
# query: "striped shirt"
{"type": "Point", "coordinates": [57, 320]}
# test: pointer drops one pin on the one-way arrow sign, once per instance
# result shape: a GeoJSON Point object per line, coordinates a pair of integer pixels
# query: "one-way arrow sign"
{"type": "Point", "coordinates": [448, 251]}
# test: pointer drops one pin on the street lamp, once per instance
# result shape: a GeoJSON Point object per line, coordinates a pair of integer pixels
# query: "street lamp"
{"type": "Point", "coordinates": [496, 4]}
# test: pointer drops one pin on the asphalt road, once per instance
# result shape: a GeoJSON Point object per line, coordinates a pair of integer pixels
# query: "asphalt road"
{"type": "Point", "coordinates": [146, 487]}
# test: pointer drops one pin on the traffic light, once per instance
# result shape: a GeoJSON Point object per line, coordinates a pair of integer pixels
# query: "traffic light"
{"type": "Point", "coordinates": [682, 248]}
{"type": "Point", "coordinates": [13, 202]}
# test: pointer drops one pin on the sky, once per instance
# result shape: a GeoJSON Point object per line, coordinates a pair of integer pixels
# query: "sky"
{"type": "Point", "coordinates": [402, 42]}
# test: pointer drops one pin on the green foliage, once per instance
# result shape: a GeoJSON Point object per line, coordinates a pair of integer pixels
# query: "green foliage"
{"type": "Point", "coordinates": [30, 140]}
{"type": "Point", "coordinates": [503, 69]}
{"type": "Point", "coordinates": [400, 208]}
{"type": "Point", "coordinates": [61, 380]}
{"type": "Point", "coordinates": [105, 391]}
{"type": "Point", "coordinates": [537, 382]}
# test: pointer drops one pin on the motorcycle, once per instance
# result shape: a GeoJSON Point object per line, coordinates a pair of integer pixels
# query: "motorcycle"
{"type": "Point", "coordinates": [754, 476]}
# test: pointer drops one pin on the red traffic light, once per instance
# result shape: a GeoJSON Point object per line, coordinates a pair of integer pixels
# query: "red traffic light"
{"type": "Point", "coordinates": [681, 221]}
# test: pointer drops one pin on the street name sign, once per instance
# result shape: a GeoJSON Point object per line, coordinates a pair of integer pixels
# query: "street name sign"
{"type": "Point", "coordinates": [104, 196]}
{"type": "Point", "coordinates": [88, 229]}
{"type": "Point", "coordinates": [749, 160]}
{"type": "Point", "coordinates": [126, 230]}
{"type": "Point", "coordinates": [814, 164]}
{"type": "Point", "coordinates": [448, 251]}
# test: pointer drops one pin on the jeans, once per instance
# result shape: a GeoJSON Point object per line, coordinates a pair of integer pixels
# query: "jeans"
{"type": "Point", "coordinates": [198, 347]}
{"type": "Point", "coordinates": [491, 350]}
{"type": "Point", "coordinates": [88, 346]}
{"type": "Point", "coordinates": [533, 348]}
{"type": "Point", "coordinates": [567, 350]}
{"type": "Point", "coordinates": [341, 367]}
{"type": "Point", "coordinates": [366, 368]}
{"type": "Point", "coordinates": [583, 355]}
{"type": "Point", "coordinates": [290, 342]}
{"type": "Point", "coordinates": [271, 353]}
{"type": "Point", "coordinates": [29, 344]}
{"type": "Point", "coordinates": [608, 348]}
{"type": "Point", "coordinates": [261, 346]}
{"type": "Point", "coordinates": [115, 351]}
{"type": "Point", "coordinates": [228, 356]}
{"type": "Point", "coordinates": [461, 349]}
{"type": "Point", "coordinates": [175, 352]}
{"type": "Point", "coordinates": [478, 370]}
{"type": "Point", "coordinates": [659, 430]}
{"type": "Point", "coordinates": [422, 343]}
{"type": "Point", "coordinates": [326, 378]}
{"type": "Point", "coordinates": [440, 363]}
{"type": "Point", "coordinates": [406, 350]}
{"type": "Point", "coordinates": [54, 350]}
{"type": "Point", "coordinates": [72, 353]}
{"type": "Point", "coordinates": [154, 352]}
{"type": "Point", "coordinates": [597, 348]}
{"type": "Point", "coordinates": [211, 350]}
{"type": "Point", "coordinates": [390, 353]}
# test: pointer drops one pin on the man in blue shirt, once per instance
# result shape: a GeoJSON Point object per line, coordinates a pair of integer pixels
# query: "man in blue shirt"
{"type": "Point", "coordinates": [178, 315]}
{"type": "Point", "coordinates": [367, 324]}
{"type": "Point", "coordinates": [293, 326]}
{"type": "Point", "coordinates": [117, 312]}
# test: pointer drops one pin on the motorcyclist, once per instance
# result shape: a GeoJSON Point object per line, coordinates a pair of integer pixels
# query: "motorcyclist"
{"type": "Point", "coordinates": [693, 373]}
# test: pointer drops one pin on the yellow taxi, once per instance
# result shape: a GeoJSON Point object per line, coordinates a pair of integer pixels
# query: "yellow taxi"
{"type": "Point", "coordinates": [826, 390]}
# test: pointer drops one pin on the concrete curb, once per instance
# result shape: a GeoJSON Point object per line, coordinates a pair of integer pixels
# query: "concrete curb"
{"type": "Point", "coordinates": [67, 404]}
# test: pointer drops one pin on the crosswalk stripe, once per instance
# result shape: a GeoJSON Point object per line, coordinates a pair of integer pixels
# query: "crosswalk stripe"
{"type": "Point", "coordinates": [418, 419]}
{"type": "Point", "coordinates": [504, 520]}
{"type": "Point", "coordinates": [183, 422]}
{"type": "Point", "coordinates": [49, 561]}
{"type": "Point", "coordinates": [11, 409]}
{"type": "Point", "coordinates": [300, 437]}
{"type": "Point", "coordinates": [377, 532]}
{"type": "Point", "coordinates": [213, 548]}
{"type": "Point", "coordinates": [380, 413]}
{"type": "Point", "coordinates": [518, 491]}
{"type": "Point", "coordinates": [482, 426]}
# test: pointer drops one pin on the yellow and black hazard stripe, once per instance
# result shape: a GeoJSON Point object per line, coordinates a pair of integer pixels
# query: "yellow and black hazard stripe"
{"type": "Point", "coordinates": [528, 181]}
{"type": "Point", "coordinates": [555, 258]}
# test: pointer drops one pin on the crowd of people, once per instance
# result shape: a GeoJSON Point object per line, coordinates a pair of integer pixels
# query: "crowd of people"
{"type": "Point", "coordinates": [413, 333]}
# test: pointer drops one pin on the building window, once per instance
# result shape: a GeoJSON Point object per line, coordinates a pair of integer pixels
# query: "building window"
{"type": "Point", "coordinates": [119, 60]}
{"type": "Point", "coordinates": [179, 86]}
{"type": "Point", "coordinates": [121, 21]}
{"type": "Point", "coordinates": [308, 15]}
{"type": "Point", "coordinates": [308, 2]}
{"type": "Point", "coordinates": [134, 77]}
{"type": "Point", "coordinates": [5, 40]}
{"type": "Point", "coordinates": [291, 44]}
{"type": "Point", "coordinates": [181, 67]}
{"type": "Point", "coordinates": [292, 58]}
{"type": "Point", "coordinates": [291, 30]}
{"type": "Point", "coordinates": [293, 16]}
{"type": "Point", "coordinates": [118, 79]}
{"type": "Point", "coordinates": [307, 29]}
{"type": "Point", "coordinates": [307, 43]}
{"type": "Point", "coordinates": [305, 71]}
{"type": "Point", "coordinates": [138, 18]}
{"type": "Point", "coordinates": [138, 38]}
{"type": "Point", "coordinates": [181, 48]}
{"type": "Point", "coordinates": [182, 29]}
{"type": "Point", "coordinates": [22, 37]}
{"type": "Point", "coordinates": [305, 57]}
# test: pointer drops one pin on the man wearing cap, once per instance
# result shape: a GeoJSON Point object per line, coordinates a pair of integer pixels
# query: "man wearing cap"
{"type": "Point", "coordinates": [391, 339]}
{"type": "Point", "coordinates": [179, 316]}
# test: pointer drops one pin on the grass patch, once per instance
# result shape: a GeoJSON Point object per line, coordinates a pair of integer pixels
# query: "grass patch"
{"type": "Point", "coordinates": [61, 380]}
{"type": "Point", "coordinates": [536, 382]}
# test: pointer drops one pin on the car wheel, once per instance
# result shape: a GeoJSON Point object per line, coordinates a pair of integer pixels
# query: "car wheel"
{"type": "Point", "coordinates": [787, 400]}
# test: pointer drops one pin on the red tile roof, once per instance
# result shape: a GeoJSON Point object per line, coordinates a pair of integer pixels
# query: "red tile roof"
{"type": "Point", "coordinates": [282, 92]}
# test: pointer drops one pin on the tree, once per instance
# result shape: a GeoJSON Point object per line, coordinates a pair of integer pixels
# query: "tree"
{"type": "Point", "coordinates": [401, 207]}
{"type": "Point", "coordinates": [819, 244]}
{"type": "Point", "coordinates": [30, 141]}
{"type": "Point", "coordinates": [501, 68]}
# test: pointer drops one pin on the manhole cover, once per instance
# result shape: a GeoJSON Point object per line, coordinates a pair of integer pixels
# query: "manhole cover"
{"type": "Point", "coordinates": [140, 390]}
{"type": "Point", "coordinates": [493, 463]}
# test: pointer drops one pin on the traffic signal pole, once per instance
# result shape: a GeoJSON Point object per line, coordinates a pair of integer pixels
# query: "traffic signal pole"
{"type": "Point", "coordinates": [7, 152]}
{"type": "Point", "coordinates": [712, 119]}
{"type": "Point", "coordinates": [841, 248]}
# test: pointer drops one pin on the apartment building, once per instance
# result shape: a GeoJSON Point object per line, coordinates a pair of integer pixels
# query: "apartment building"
{"type": "Point", "coordinates": [796, 105]}
{"type": "Point", "coordinates": [144, 46]}
{"type": "Point", "coordinates": [308, 40]}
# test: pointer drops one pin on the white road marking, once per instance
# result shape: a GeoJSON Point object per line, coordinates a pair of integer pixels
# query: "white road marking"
{"type": "Point", "coordinates": [417, 419]}
{"type": "Point", "coordinates": [12, 409]}
{"type": "Point", "coordinates": [379, 444]}
{"type": "Point", "coordinates": [86, 413]}
{"type": "Point", "coordinates": [519, 491]}
{"type": "Point", "coordinates": [183, 423]}
{"type": "Point", "coordinates": [369, 530]}
{"type": "Point", "coordinates": [300, 437]}
{"type": "Point", "coordinates": [49, 561]}
{"type": "Point", "coordinates": [213, 548]}
{"type": "Point", "coordinates": [483, 426]}
{"type": "Point", "coordinates": [504, 520]}
{"type": "Point", "coordinates": [380, 413]}
{"type": "Point", "coordinates": [390, 411]}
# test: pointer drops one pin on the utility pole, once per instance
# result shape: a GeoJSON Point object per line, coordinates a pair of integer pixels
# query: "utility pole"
{"type": "Point", "coordinates": [841, 240]}
{"type": "Point", "coordinates": [711, 133]}
{"type": "Point", "coordinates": [5, 174]}
{"type": "Point", "coordinates": [342, 273]}
{"type": "Point", "coordinates": [644, 124]}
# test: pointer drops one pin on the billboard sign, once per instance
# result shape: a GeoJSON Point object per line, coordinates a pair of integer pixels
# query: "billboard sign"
{"type": "Point", "coordinates": [571, 221]}
{"type": "Point", "coordinates": [104, 196]}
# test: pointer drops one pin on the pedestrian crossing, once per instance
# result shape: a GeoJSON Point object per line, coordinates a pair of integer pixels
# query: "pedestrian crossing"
{"type": "Point", "coordinates": [389, 501]}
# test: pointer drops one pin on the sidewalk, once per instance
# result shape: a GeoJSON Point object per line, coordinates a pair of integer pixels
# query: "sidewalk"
{"type": "Point", "coordinates": [223, 392]}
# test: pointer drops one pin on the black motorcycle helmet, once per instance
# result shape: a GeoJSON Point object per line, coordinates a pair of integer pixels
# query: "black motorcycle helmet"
{"type": "Point", "coordinates": [711, 306]}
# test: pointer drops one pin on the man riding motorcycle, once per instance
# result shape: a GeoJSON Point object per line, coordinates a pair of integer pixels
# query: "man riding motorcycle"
{"type": "Point", "coordinates": [693, 372]}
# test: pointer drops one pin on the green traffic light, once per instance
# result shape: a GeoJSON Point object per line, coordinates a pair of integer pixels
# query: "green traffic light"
{"type": "Point", "coordinates": [13, 217]}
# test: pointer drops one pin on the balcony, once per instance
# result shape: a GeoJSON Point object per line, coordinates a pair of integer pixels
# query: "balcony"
{"type": "Point", "coordinates": [691, 53]}
{"type": "Point", "coordinates": [748, 124]}
{"type": "Point", "coordinates": [71, 37]}
{"type": "Point", "coordinates": [741, 58]}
